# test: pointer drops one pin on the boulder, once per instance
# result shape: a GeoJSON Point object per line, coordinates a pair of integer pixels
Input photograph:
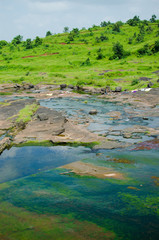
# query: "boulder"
{"type": "Point", "coordinates": [71, 86]}
{"type": "Point", "coordinates": [63, 86]}
{"type": "Point", "coordinates": [93, 112]}
{"type": "Point", "coordinates": [150, 84]}
{"type": "Point", "coordinates": [118, 89]}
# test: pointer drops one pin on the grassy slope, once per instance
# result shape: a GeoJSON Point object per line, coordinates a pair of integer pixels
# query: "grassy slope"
{"type": "Point", "coordinates": [65, 67]}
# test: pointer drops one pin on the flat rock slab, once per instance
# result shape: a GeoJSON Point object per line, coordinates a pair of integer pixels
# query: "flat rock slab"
{"type": "Point", "coordinates": [87, 169]}
{"type": "Point", "coordinates": [56, 128]}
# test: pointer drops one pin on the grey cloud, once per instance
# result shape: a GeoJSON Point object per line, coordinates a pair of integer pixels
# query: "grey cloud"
{"type": "Point", "coordinates": [34, 17]}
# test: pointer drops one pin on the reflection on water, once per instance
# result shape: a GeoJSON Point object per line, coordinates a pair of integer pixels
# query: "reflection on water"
{"type": "Point", "coordinates": [20, 162]}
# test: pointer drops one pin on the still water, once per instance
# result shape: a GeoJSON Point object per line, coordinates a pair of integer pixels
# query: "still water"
{"type": "Point", "coordinates": [129, 208]}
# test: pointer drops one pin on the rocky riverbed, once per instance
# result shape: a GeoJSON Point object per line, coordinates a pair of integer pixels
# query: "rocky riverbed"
{"type": "Point", "coordinates": [47, 124]}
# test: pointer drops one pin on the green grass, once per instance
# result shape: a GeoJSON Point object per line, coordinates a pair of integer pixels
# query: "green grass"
{"type": "Point", "coordinates": [26, 113]}
{"type": "Point", "coordinates": [70, 65]}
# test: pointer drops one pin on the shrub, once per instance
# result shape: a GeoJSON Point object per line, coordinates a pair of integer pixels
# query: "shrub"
{"type": "Point", "coordinates": [86, 63]}
{"type": "Point", "coordinates": [3, 43]}
{"type": "Point", "coordinates": [145, 50]}
{"type": "Point", "coordinates": [28, 44]}
{"type": "Point", "coordinates": [103, 24]}
{"type": "Point", "coordinates": [116, 27]}
{"type": "Point", "coordinates": [155, 49]}
{"type": "Point", "coordinates": [119, 52]}
{"type": "Point", "coordinates": [134, 82]}
{"type": "Point", "coordinates": [100, 54]}
{"type": "Point", "coordinates": [130, 41]}
{"type": "Point", "coordinates": [103, 38]}
{"type": "Point", "coordinates": [38, 41]}
{"type": "Point", "coordinates": [17, 40]}
{"type": "Point", "coordinates": [134, 21]}
{"type": "Point", "coordinates": [140, 38]}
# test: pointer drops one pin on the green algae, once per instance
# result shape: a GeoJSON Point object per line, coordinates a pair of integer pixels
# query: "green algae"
{"type": "Point", "coordinates": [140, 205]}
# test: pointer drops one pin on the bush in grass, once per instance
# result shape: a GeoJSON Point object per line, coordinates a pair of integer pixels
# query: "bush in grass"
{"type": "Point", "coordinates": [28, 44]}
{"type": "Point", "coordinates": [100, 54]}
{"type": "Point", "coordinates": [86, 63]}
{"type": "Point", "coordinates": [116, 27]}
{"type": "Point", "coordinates": [155, 48]}
{"type": "Point", "coordinates": [134, 82]}
{"type": "Point", "coordinates": [38, 41]}
{"type": "Point", "coordinates": [140, 38]}
{"type": "Point", "coordinates": [145, 50]}
{"type": "Point", "coordinates": [119, 52]}
{"type": "Point", "coordinates": [130, 40]}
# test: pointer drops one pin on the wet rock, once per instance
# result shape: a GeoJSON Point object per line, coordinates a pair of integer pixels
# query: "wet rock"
{"type": "Point", "coordinates": [63, 86]}
{"type": "Point", "coordinates": [145, 118]}
{"type": "Point", "coordinates": [150, 84]}
{"type": "Point", "coordinates": [118, 89]}
{"type": "Point", "coordinates": [144, 78]}
{"type": "Point", "coordinates": [4, 143]}
{"type": "Point", "coordinates": [93, 112]}
{"type": "Point", "coordinates": [127, 135]}
{"type": "Point", "coordinates": [20, 125]}
{"type": "Point", "coordinates": [71, 86]}
{"type": "Point", "coordinates": [42, 116]}
{"type": "Point", "coordinates": [24, 86]}
{"type": "Point", "coordinates": [79, 88]}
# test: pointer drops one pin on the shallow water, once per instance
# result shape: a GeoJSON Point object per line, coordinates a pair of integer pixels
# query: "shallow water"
{"type": "Point", "coordinates": [78, 108]}
{"type": "Point", "coordinates": [31, 180]}
{"type": "Point", "coordinates": [19, 162]}
{"type": "Point", "coordinates": [129, 208]}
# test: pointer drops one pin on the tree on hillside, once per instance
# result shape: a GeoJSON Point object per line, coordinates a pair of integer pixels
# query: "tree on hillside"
{"type": "Point", "coordinates": [119, 52]}
{"type": "Point", "coordinates": [155, 48]}
{"type": "Point", "coordinates": [153, 18]}
{"type": "Point", "coordinates": [17, 40]}
{"type": "Point", "coordinates": [48, 33]}
{"type": "Point", "coordinates": [66, 29]}
{"type": "Point", "coordinates": [103, 24]}
{"type": "Point", "coordinates": [134, 21]}
{"type": "Point", "coordinates": [28, 44]}
{"type": "Point", "coordinates": [38, 41]}
{"type": "Point", "coordinates": [116, 27]}
{"type": "Point", "coordinates": [3, 43]}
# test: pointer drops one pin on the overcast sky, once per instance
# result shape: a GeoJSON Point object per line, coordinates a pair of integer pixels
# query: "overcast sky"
{"type": "Point", "coordinates": [31, 18]}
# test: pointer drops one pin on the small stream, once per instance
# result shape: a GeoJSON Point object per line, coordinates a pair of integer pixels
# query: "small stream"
{"type": "Point", "coordinates": [102, 122]}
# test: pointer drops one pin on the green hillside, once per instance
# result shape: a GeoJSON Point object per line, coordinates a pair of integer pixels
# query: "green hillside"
{"type": "Point", "coordinates": [114, 54]}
